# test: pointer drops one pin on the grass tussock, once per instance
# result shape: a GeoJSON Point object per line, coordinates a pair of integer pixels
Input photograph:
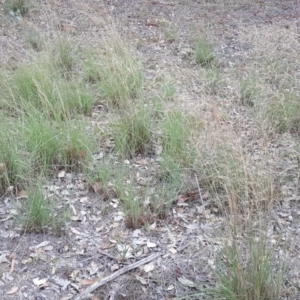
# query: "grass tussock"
{"type": "Point", "coordinates": [213, 80]}
{"type": "Point", "coordinates": [115, 69]}
{"type": "Point", "coordinates": [18, 7]}
{"type": "Point", "coordinates": [38, 213]}
{"type": "Point", "coordinates": [39, 87]}
{"type": "Point", "coordinates": [280, 113]}
{"type": "Point", "coordinates": [56, 145]}
{"type": "Point", "coordinates": [64, 56]}
{"type": "Point", "coordinates": [250, 91]}
{"type": "Point", "coordinates": [14, 165]}
{"type": "Point", "coordinates": [34, 39]}
{"type": "Point", "coordinates": [132, 133]}
{"type": "Point", "coordinates": [248, 268]}
{"type": "Point", "coordinates": [204, 52]}
{"type": "Point", "coordinates": [238, 184]}
{"type": "Point", "coordinates": [176, 137]}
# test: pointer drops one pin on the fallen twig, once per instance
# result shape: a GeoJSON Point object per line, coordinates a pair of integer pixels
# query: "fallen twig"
{"type": "Point", "coordinates": [116, 274]}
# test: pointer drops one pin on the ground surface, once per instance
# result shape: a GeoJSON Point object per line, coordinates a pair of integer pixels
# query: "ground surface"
{"type": "Point", "coordinates": [97, 241]}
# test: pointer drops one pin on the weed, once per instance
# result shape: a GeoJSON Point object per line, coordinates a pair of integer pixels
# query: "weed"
{"type": "Point", "coordinates": [213, 80]}
{"type": "Point", "coordinates": [43, 141]}
{"type": "Point", "coordinates": [245, 271]}
{"type": "Point", "coordinates": [60, 144]}
{"type": "Point", "coordinates": [133, 208]}
{"type": "Point", "coordinates": [119, 69]}
{"type": "Point", "coordinates": [280, 113]}
{"type": "Point", "coordinates": [249, 91]}
{"type": "Point", "coordinates": [168, 91]}
{"type": "Point", "coordinates": [21, 7]}
{"type": "Point", "coordinates": [34, 39]}
{"type": "Point", "coordinates": [64, 56]}
{"type": "Point", "coordinates": [39, 87]}
{"type": "Point", "coordinates": [132, 134]}
{"type": "Point", "coordinates": [236, 183]}
{"type": "Point", "coordinates": [176, 138]}
{"type": "Point", "coordinates": [170, 33]}
{"type": "Point", "coordinates": [204, 52]}
{"type": "Point", "coordinates": [100, 179]}
{"type": "Point", "coordinates": [38, 213]}
{"type": "Point", "coordinates": [77, 145]}
{"type": "Point", "coordinates": [157, 108]}
{"type": "Point", "coordinates": [162, 200]}
{"type": "Point", "coordinates": [92, 66]}
{"type": "Point", "coordinates": [170, 170]}
{"type": "Point", "coordinates": [13, 165]}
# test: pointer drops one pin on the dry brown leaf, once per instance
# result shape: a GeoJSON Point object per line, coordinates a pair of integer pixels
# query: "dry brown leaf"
{"type": "Point", "coordinates": [22, 194]}
{"type": "Point", "coordinates": [183, 198]}
{"type": "Point", "coordinates": [173, 250]}
{"type": "Point", "coordinates": [114, 268]}
{"type": "Point", "coordinates": [83, 199]}
{"type": "Point", "coordinates": [40, 245]}
{"type": "Point", "coordinates": [281, 221]}
{"type": "Point", "coordinates": [39, 282]}
{"type": "Point", "coordinates": [74, 230]}
{"type": "Point", "coordinates": [74, 274]}
{"type": "Point", "coordinates": [108, 245]}
{"type": "Point", "coordinates": [186, 282]}
{"type": "Point", "coordinates": [142, 162]}
{"type": "Point", "coordinates": [13, 262]}
{"type": "Point", "coordinates": [234, 203]}
{"type": "Point", "coordinates": [2, 167]}
{"type": "Point", "coordinates": [150, 244]}
{"type": "Point", "coordinates": [10, 189]}
{"type": "Point", "coordinates": [141, 279]}
{"type": "Point", "coordinates": [88, 282]}
{"type": "Point", "coordinates": [61, 174]}
{"type": "Point", "coordinates": [48, 248]}
{"type": "Point", "coordinates": [149, 267]}
{"type": "Point", "coordinates": [13, 290]}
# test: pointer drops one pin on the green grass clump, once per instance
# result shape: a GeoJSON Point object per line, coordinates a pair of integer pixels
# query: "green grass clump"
{"type": "Point", "coordinates": [64, 56]}
{"type": "Point", "coordinates": [40, 87]}
{"type": "Point", "coordinates": [21, 7]}
{"type": "Point", "coordinates": [38, 213]}
{"type": "Point", "coordinates": [133, 208]}
{"type": "Point", "coordinates": [35, 40]}
{"type": "Point", "coordinates": [280, 113]}
{"type": "Point", "coordinates": [171, 170]}
{"type": "Point", "coordinates": [100, 179]}
{"type": "Point", "coordinates": [249, 91]}
{"type": "Point", "coordinates": [132, 133]}
{"type": "Point", "coordinates": [213, 80]}
{"type": "Point", "coordinates": [163, 198]}
{"type": "Point", "coordinates": [92, 66]}
{"type": "Point", "coordinates": [13, 163]}
{"type": "Point", "coordinates": [170, 33]}
{"type": "Point", "coordinates": [204, 53]}
{"type": "Point", "coordinates": [247, 271]}
{"type": "Point", "coordinates": [168, 91]}
{"type": "Point", "coordinates": [235, 182]}
{"type": "Point", "coordinates": [175, 140]}
{"type": "Point", "coordinates": [118, 69]}
{"type": "Point", "coordinates": [56, 144]}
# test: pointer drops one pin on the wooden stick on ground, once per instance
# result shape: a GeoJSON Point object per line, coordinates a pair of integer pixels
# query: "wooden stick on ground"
{"type": "Point", "coordinates": [116, 274]}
